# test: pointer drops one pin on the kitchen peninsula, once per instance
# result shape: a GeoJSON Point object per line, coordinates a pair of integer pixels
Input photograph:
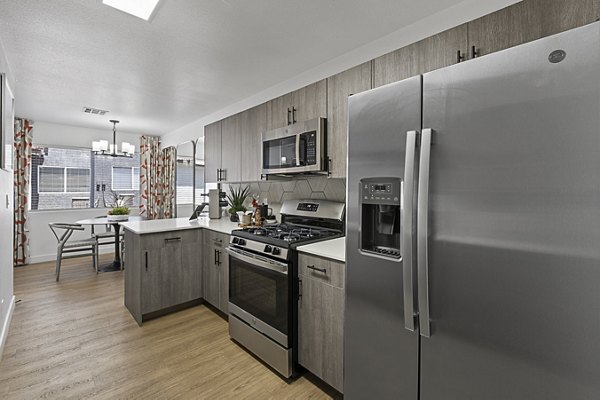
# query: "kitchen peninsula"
{"type": "Point", "coordinates": [164, 261]}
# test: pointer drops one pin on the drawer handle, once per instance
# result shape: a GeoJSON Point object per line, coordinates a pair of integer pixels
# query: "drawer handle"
{"type": "Point", "coordinates": [323, 270]}
{"type": "Point", "coordinates": [175, 239]}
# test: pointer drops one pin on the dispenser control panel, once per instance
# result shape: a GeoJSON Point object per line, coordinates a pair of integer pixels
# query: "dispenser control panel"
{"type": "Point", "coordinates": [381, 190]}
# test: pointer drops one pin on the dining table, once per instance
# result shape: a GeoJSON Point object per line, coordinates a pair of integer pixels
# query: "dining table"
{"type": "Point", "coordinates": [116, 264]}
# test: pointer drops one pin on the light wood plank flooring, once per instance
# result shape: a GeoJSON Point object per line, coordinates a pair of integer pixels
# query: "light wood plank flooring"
{"type": "Point", "coordinates": [75, 339]}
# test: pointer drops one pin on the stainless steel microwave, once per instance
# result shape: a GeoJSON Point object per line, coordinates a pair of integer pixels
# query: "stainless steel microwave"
{"type": "Point", "coordinates": [294, 149]}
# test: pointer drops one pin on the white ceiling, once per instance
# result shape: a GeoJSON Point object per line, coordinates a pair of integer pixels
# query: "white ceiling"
{"type": "Point", "coordinates": [194, 57]}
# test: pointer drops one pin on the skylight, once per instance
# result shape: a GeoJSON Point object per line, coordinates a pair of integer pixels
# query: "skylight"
{"type": "Point", "coordinates": [140, 8]}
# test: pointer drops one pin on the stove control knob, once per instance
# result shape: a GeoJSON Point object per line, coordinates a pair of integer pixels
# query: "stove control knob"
{"type": "Point", "coordinates": [268, 249]}
{"type": "Point", "coordinates": [242, 242]}
{"type": "Point", "coordinates": [235, 240]}
{"type": "Point", "coordinates": [276, 251]}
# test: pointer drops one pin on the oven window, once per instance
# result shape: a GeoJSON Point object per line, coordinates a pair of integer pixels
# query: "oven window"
{"type": "Point", "coordinates": [279, 153]}
{"type": "Point", "coordinates": [260, 292]}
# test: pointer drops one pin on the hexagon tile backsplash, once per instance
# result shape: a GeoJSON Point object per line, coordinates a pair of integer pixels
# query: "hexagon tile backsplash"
{"type": "Point", "coordinates": [314, 187]}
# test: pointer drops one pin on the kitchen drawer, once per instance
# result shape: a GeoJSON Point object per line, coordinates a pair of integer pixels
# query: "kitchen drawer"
{"type": "Point", "coordinates": [186, 236]}
{"type": "Point", "coordinates": [212, 238]}
{"type": "Point", "coordinates": [327, 271]}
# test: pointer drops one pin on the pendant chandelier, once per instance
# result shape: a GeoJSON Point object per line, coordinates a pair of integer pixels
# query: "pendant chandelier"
{"type": "Point", "coordinates": [102, 148]}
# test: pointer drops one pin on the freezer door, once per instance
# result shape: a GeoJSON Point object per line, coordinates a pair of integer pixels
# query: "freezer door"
{"type": "Point", "coordinates": [513, 247]}
{"type": "Point", "coordinates": [380, 346]}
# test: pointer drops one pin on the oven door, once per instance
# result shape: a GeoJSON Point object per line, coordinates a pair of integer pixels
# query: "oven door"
{"type": "Point", "coordinates": [259, 293]}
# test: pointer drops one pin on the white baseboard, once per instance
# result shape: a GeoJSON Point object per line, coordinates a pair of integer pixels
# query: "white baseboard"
{"type": "Point", "coordinates": [5, 325]}
{"type": "Point", "coordinates": [52, 257]}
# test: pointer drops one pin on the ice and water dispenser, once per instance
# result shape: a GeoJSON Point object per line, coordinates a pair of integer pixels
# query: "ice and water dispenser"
{"type": "Point", "coordinates": [381, 211]}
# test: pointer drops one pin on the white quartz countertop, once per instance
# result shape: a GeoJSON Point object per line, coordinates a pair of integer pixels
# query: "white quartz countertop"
{"type": "Point", "coordinates": [334, 249]}
{"type": "Point", "coordinates": [175, 224]}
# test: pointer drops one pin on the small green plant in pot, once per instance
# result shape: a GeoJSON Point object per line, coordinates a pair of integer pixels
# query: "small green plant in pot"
{"type": "Point", "coordinates": [236, 199]}
{"type": "Point", "coordinates": [120, 210]}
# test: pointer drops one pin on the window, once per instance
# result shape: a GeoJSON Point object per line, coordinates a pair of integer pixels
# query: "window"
{"type": "Point", "coordinates": [125, 178]}
{"type": "Point", "coordinates": [51, 179]}
{"type": "Point", "coordinates": [63, 177]}
{"type": "Point", "coordinates": [184, 181]}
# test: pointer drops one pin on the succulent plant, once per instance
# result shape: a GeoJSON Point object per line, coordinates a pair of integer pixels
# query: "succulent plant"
{"type": "Point", "coordinates": [236, 198]}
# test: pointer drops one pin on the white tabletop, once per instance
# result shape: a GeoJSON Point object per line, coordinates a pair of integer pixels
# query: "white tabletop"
{"type": "Point", "coordinates": [105, 221]}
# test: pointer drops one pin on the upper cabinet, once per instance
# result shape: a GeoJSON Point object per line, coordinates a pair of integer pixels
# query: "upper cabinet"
{"type": "Point", "coordinates": [212, 152]}
{"type": "Point", "coordinates": [438, 51]}
{"type": "Point", "coordinates": [300, 105]}
{"type": "Point", "coordinates": [528, 20]}
{"type": "Point", "coordinates": [232, 147]}
{"type": "Point", "coordinates": [253, 124]}
{"type": "Point", "coordinates": [339, 87]}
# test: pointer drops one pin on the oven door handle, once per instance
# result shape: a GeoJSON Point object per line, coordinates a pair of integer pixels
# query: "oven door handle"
{"type": "Point", "coordinates": [258, 261]}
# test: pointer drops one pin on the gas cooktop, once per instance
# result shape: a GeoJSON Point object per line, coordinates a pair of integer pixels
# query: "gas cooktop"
{"type": "Point", "coordinates": [285, 235]}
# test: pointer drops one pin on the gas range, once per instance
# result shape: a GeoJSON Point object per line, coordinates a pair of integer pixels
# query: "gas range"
{"type": "Point", "coordinates": [263, 279]}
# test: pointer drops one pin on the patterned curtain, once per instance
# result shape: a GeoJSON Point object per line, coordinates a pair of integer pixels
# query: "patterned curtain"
{"type": "Point", "coordinates": [23, 136]}
{"type": "Point", "coordinates": [168, 181]}
{"type": "Point", "coordinates": [157, 179]}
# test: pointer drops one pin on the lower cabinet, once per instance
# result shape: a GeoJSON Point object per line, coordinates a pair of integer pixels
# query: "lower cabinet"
{"type": "Point", "coordinates": [321, 318]}
{"type": "Point", "coordinates": [162, 271]}
{"type": "Point", "coordinates": [215, 270]}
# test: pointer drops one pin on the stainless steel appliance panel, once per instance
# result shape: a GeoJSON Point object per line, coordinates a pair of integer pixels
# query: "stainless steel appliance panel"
{"type": "Point", "coordinates": [514, 224]}
{"type": "Point", "coordinates": [380, 355]}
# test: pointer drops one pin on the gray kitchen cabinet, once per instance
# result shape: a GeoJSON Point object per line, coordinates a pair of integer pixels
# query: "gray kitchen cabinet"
{"type": "Point", "coordinates": [163, 272]}
{"type": "Point", "coordinates": [231, 148]}
{"type": "Point", "coordinates": [253, 124]}
{"type": "Point", "coordinates": [339, 87]}
{"type": "Point", "coordinates": [300, 105]}
{"type": "Point", "coordinates": [529, 20]}
{"type": "Point", "coordinates": [216, 270]}
{"type": "Point", "coordinates": [321, 318]}
{"type": "Point", "coordinates": [212, 152]}
{"type": "Point", "coordinates": [279, 111]}
{"type": "Point", "coordinates": [434, 52]}
{"type": "Point", "coordinates": [310, 102]}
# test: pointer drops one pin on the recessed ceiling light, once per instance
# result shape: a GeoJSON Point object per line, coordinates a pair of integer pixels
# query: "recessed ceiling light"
{"type": "Point", "coordinates": [140, 8]}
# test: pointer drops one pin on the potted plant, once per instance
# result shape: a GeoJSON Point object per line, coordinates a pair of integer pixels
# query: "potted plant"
{"type": "Point", "coordinates": [236, 199]}
{"type": "Point", "coordinates": [120, 210]}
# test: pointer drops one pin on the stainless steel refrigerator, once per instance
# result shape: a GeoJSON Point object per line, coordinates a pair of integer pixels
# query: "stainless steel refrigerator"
{"type": "Point", "coordinates": [473, 229]}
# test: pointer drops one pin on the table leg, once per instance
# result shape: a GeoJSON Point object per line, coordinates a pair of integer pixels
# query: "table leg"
{"type": "Point", "coordinates": [116, 264]}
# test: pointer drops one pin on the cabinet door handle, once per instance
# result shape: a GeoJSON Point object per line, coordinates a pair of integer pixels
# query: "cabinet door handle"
{"type": "Point", "coordinates": [323, 270]}
{"type": "Point", "coordinates": [459, 56]}
{"type": "Point", "coordinates": [174, 239]}
{"type": "Point", "coordinates": [299, 289]}
{"type": "Point", "coordinates": [294, 115]}
{"type": "Point", "coordinates": [475, 52]}
{"type": "Point", "coordinates": [289, 115]}
{"type": "Point", "coordinates": [146, 256]}
{"type": "Point", "coordinates": [216, 257]}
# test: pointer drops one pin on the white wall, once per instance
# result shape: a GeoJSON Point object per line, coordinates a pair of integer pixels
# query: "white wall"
{"type": "Point", "coordinates": [465, 11]}
{"type": "Point", "coordinates": [6, 235]}
{"type": "Point", "coordinates": [42, 242]}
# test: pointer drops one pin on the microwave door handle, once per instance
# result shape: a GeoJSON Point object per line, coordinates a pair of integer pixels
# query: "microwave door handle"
{"type": "Point", "coordinates": [298, 150]}
{"type": "Point", "coordinates": [407, 230]}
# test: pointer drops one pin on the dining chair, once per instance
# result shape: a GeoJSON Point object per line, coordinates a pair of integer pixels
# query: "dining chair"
{"type": "Point", "coordinates": [107, 237]}
{"type": "Point", "coordinates": [63, 232]}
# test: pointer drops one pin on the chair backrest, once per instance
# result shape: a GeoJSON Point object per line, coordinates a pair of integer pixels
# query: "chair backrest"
{"type": "Point", "coordinates": [68, 228]}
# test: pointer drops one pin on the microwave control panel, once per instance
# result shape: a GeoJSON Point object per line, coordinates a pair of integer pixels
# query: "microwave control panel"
{"type": "Point", "coordinates": [308, 148]}
{"type": "Point", "coordinates": [381, 191]}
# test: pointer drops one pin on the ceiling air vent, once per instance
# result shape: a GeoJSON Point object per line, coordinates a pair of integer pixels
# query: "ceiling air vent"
{"type": "Point", "coordinates": [96, 111]}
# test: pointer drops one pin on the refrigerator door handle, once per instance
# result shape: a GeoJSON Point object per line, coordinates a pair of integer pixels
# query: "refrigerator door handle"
{"type": "Point", "coordinates": [407, 229]}
{"type": "Point", "coordinates": [422, 233]}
